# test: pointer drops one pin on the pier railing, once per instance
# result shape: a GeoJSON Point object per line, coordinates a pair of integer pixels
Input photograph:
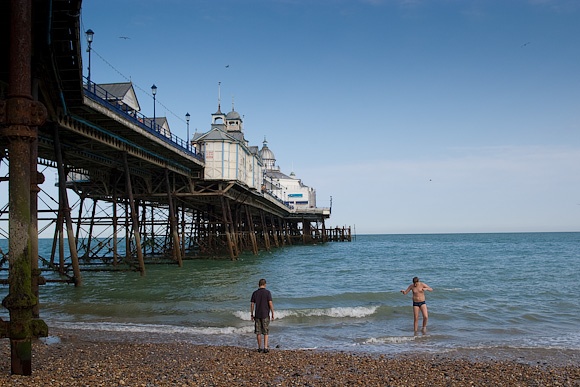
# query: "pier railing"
{"type": "Point", "coordinates": [113, 102]}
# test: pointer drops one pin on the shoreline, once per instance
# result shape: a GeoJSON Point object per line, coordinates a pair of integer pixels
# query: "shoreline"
{"type": "Point", "coordinates": [73, 358]}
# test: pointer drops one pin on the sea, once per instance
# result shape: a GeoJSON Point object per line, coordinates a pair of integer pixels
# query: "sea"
{"type": "Point", "coordinates": [506, 296]}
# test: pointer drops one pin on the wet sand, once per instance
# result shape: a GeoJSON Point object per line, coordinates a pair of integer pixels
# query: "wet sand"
{"type": "Point", "coordinates": [85, 359]}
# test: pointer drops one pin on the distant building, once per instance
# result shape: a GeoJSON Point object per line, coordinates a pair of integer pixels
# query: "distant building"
{"type": "Point", "coordinates": [227, 153]}
{"type": "Point", "coordinates": [286, 188]}
{"type": "Point", "coordinates": [162, 126]}
{"type": "Point", "coordinates": [123, 96]}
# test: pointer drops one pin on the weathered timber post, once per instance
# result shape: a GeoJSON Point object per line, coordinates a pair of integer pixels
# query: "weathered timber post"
{"type": "Point", "coordinates": [230, 221]}
{"type": "Point", "coordinates": [61, 267]}
{"type": "Point", "coordinates": [281, 231]}
{"type": "Point", "coordinates": [63, 200]}
{"type": "Point", "coordinates": [127, 234]}
{"type": "Point", "coordinates": [324, 238]}
{"type": "Point", "coordinates": [115, 225]}
{"type": "Point", "coordinates": [251, 230]}
{"type": "Point", "coordinates": [265, 231]}
{"type": "Point", "coordinates": [238, 238]}
{"type": "Point", "coordinates": [17, 115]}
{"type": "Point", "coordinates": [133, 216]}
{"type": "Point", "coordinates": [91, 228]}
{"type": "Point", "coordinates": [173, 223]}
{"type": "Point", "coordinates": [183, 230]}
{"type": "Point", "coordinates": [227, 230]}
{"type": "Point", "coordinates": [274, 234]}
{"type": "Point", "coordinates": [55, 238]}
{"type": "Point", "coordinates": [79, 219]}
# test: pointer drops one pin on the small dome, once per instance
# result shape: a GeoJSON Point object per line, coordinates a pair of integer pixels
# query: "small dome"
{"type": "Point", "coordinates": [233, 115]}
{"type": "Point", "coordinates": [267, 156]}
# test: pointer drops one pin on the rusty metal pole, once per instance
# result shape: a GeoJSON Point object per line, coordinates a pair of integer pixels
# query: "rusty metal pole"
{"type": "Point", "coordinates": [87, 255]}
{"type": "Point", "coordinates": [134, 217]}
{"type": "Point", "coordinates": [251, 230]}
{"type": "Point", "coordinates": [230, 221]}
{"type": "Point", "coordinates": [18, 114]}
{"type": "Point", "coordinates": [265, 231]}
{"type": "Point", "coordinates": [64, 203]}
{"type": "Point", "coordinates": [274, 232]}
{"type": "Point", "coordinates": [229, 242]}
{"type": "Point", "coordinates": [173, 223]}
{"type": "Point", "coordinates": [115, 254]}
{"type": "Point", "coordinates": [183, 231]}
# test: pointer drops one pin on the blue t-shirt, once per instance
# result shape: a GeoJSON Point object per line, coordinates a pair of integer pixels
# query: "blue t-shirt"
{"type": "Point", "coordinates": [260, 299]}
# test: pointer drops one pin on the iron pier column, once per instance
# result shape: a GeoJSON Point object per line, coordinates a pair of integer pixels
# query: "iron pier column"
{"type": "Point", "coordinates": [18, 114]}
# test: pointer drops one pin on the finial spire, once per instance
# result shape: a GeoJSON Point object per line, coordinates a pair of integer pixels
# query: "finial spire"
{"type": "Point", "coordinates": [219, 96]}
{"type": "Point", "coordinates": [232, 102]}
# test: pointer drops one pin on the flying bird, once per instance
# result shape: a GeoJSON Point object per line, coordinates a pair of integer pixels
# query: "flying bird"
{"type": "Point", "coordinates": [124, 37]}
{"type": "Point", "coordinates": [227, 66]}
{"type": "Point", "coordinates": [525, 44]}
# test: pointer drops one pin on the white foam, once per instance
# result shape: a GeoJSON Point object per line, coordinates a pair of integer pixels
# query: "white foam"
{"type": "Point", "coordinates": [390, 340]}
{"type": "Point", "coordinates": [340, 312]}
{"type": "Point", "coordinates": [153, 328]}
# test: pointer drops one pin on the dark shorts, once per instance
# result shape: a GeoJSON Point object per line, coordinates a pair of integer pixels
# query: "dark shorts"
{"type": "Point", "coordinates": [419, 304]}
{"type": "Point", "coordinates": [261, 326]}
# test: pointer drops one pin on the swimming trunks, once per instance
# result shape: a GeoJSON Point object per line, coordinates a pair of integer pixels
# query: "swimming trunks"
{"type": "Point", "coordinates": [418, 303]}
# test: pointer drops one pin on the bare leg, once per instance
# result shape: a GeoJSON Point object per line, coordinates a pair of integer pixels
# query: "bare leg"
{"type": "Point", "coordinates": [425, 315]}
{"type": "Point", "coordinates": [259, 341]}
{"type": "Point", "coordinates": [416, 315]}
{"type": "Point", "coordinates": [265, 341]}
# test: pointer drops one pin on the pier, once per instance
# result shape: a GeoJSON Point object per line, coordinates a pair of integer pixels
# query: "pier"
{"type": "Point", "coordinates": [130, 193]}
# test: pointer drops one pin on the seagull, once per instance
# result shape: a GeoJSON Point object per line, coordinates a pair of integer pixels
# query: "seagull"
{"type": "Point", "coordinates": [124, 37]}
{"type": "Point", "coordinates": [227, 66]}
{"type": "Point", "coordinates": [525, 44]}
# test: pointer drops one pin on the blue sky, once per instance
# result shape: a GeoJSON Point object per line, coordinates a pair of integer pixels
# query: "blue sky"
{"type": "Point", "coordinates": [415, 116]}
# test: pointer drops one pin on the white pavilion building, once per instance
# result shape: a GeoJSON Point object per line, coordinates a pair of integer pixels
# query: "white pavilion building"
{"type": "Point", "coordinates": [227, 153]}
{"type": "Point", "coordinates": [286, 188]}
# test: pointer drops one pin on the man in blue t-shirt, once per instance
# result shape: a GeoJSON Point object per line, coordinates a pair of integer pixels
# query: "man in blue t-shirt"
{"type": "Point", "coordinates": [262, 300]}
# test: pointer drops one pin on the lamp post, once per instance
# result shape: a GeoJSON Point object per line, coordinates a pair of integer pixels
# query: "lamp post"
{"type": "Point", "coordinates": [187, 119]}
{"type": "Point", "coordinates": [90, 34]}
{"type": "Point", "coordinates": [154, 91]}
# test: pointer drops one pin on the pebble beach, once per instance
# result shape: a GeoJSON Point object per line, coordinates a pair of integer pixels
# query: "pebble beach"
{"type": "Point", "coordinates": [81, 359]}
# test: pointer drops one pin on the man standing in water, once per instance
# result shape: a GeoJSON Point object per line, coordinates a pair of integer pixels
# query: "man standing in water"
{"type": "Point", "coordinates": [418, 289]}
{"type": "Point", "coordinates": [262, 300]}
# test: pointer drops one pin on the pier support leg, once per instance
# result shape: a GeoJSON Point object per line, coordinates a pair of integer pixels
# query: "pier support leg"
{"type": "Point", "coordinates": [274, 233]}
{"type": "Point", "coordinates": [115, 226]}
{"type": "Point", "coordinates": [251, 230]}
{"type": "Point", "coordinates": [63, 199]}
{"type": "Point", "coordinates": [173, 223]}
{"type": "Point", "coordinates": [233, 233]}
{"type": "Point", "coordinates": [265, 231]}
{"type": "Point", "coordinates": [227, 230]}
{"type": "Point", "coordinates": [134, 218]}
{"type": "Point", "coordinates": [183, 233]}
{"type": "Point", "coordinates": [91, 228]}
{"type": "Point", "coordinates": [281, 230]}
{"type": "Point", "coordinates": [19, 114]}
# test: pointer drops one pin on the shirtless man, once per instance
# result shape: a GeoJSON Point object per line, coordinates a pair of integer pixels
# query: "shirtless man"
{"type": "Point", "coordinates": [418, 289]}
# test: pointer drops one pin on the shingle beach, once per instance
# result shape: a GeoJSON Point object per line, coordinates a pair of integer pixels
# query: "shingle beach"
{"type": "Point", "coordinates": [77, 359]}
